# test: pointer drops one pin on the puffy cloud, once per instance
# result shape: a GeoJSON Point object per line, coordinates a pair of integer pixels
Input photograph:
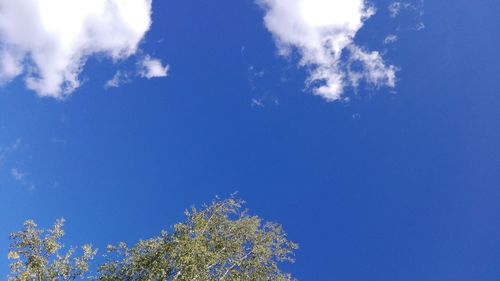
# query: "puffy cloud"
{"type": "Point", "coordinates": [49, 41]}
{"type": "Point", "coordinates": [323, 32]}
{"type": "Point", "coordinates": [10, 66]}
{"type": "Point", "coordinates": [152, 68]}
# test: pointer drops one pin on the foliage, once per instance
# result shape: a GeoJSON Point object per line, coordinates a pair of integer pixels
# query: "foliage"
{"type": "Point", "coordinates": [219, 242]}
{"type": "Point", "coordinates": [36, 255]}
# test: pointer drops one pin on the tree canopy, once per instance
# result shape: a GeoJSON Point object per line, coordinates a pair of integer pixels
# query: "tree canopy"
{"type": "Point", "coordinates": [37, 255]}
{"type": "Point", "coordinates": [221, 241]}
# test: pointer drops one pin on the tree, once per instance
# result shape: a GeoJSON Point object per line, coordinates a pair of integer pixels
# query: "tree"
{"type": "Point", "coordinates": [219, 242]}
{"type": "Point", "coordinates": [37, 255]}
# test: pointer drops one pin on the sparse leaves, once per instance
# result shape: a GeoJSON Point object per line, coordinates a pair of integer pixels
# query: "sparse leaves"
{"type": "Point", "coordinates": [36, 255]}
{"type": "Point", "coordinates": [220, 242]}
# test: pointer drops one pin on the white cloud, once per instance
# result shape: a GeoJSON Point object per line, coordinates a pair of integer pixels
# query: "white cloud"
{"type": "Point", "coordinates": [370, 67]}
{"type": "Point", "coordinates": [395, 9]}
{"type": "Point", "coordinates": [147, 67]}
{"type": "Point", "coordinates": [257, 103]}
{"type": "Point", "coordinates": [152, 68]}
{"type": "Point", "coordinates": [10, 66]}
{"type": "Point", "coordinates": [391, 38]}
{"type": "Point", "coordinates": [118, 79]}
{"type": "Point", "coordinates": [323, 31]}
{"type": "Point", "coordinates": [412, 10]}
{"type": "Point", "coordinates": [49, 41]}
{"type": "Point", "coordinates": [254, 75]}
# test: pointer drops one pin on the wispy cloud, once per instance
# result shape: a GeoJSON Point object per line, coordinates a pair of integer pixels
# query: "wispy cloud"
{"type": "Point", "coordinates": [147, 67]}
{"type": "Point", "coordinates": [323, 32]}
{"type": "Point", "coordinates": [21, 178]}
{"type": "Point", "coordinates": [254, 75]}
{"type": "Point", "coordinates": [413, 10]}
{"type": "Point", "coordinates": [257, 103]}
{"type": "Point", "coordinates": [118, 79]}
{"type": "Point", "coordinates": [56, 140]}
{"type": "Point", "coordinates": [49, 41]}
{"type": "Point", "coordinates": [262, 88]}
{"type": "Point", "coordinates": [6, 150]}
{"type": "Point", "coordinates": [395, 9]}
{"type": "Point", "coordinates": [10, 163]}
{"type": "Point", "coordinates": [370, 67]}
{"type": "Point", "coordinates": [391, 38]}
{"type": "Point", "coordinates": [18, 175]}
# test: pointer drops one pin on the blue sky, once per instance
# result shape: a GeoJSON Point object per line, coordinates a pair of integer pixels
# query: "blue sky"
{"type": "Point", "coordinates": [379, 182]}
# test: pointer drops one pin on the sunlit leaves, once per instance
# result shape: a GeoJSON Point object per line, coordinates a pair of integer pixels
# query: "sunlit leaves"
{"type": "Point", "coordinates": [219, 242]}
{"type": "Point", "coordinates": [36, 255]}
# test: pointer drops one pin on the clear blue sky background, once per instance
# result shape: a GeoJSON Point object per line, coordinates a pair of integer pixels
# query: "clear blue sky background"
{"type": "Point", "coordinates": [389, 186]}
